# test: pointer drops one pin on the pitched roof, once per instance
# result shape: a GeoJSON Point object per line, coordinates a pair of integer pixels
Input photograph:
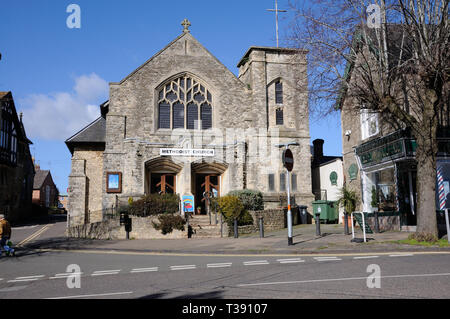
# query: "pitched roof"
{"type": "Point", "coordinates": [2, 94]}
{"type": "Point", "coordinates": [93, 133]}
{"type": "Point", "coordinates": [39, 178]}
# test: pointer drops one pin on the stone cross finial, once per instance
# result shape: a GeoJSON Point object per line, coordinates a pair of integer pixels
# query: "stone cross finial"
{"type": "Point", "coordinates": [186, 24]}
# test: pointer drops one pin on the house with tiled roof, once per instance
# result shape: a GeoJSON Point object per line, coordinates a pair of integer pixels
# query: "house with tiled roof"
{"type": "Point", "coordinates": [16, 166]}
{"type": "Point", "coordinates": [45, 192]}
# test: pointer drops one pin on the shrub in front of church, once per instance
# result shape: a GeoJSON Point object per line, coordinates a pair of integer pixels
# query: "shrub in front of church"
{"type": "Point", "coordinates": [232, 207]}
{"type": "Point", "coordinates": [155, 204]}
{"type": "Point", "coordinates": [169, 222]}
{"type": "Point", "coordinates": [251, 199]}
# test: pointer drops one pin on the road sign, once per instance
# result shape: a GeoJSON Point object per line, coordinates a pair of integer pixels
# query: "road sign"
{"type": "Point", "coordinates": [288, 160]}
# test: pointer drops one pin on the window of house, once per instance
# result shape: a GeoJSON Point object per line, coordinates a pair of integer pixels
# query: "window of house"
{"type": "Point", "coordinates": [183, 103]}
{"type": "Point", "coordinates": [8, 135]}
{"type": "Point", "coordinates": [279, 92]}
{"type": "Point", "coordinates": [280, 117]}
{"type": "Point", "coordinates": [369, 123]}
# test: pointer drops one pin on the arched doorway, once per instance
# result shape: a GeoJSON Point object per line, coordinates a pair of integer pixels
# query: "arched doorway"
{"type": "Point", "coordinates": [206, 180]}
{"type": "Point", "coordinates": [161, 176]}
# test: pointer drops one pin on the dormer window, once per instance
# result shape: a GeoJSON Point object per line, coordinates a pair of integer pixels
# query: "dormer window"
{"type": "Point", "coordinates": [279, 92]}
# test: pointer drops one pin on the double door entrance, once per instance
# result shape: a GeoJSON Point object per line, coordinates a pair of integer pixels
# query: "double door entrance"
{"type": "Point", "coordinates": [204, 186]}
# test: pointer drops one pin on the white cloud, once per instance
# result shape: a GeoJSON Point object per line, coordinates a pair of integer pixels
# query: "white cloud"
{"type": "Point", "coordinates": [60, 115]}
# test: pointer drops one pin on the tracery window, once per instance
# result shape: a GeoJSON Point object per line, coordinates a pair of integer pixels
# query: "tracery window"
{"type": "Point", "coordinates": [184, 103]}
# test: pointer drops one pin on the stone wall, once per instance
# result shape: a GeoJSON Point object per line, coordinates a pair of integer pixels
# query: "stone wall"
{"type": "Point", "coordinates": [142, 228]}
{"type": "Point", "coordinates": [274, 219]}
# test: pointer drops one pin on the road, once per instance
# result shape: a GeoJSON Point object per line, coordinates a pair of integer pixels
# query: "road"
{"type": "Point", "coordinates": [164, 276]}
{"type": "Point", "coordinates": [41, 274]}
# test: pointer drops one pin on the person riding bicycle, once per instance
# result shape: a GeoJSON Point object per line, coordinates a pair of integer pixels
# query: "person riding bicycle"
{"type": "Point", "coordinates": [5, 236]}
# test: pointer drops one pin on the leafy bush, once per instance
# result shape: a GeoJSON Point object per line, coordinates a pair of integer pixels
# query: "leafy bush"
{"type": "Point", "coordinates": [252, 200]}
{"type": "Point", "coordinates": [169, 222]}
{"type": "Point", "coordinates": [232, 207]}
{"type": "Point", "coordinates": [155, 204]}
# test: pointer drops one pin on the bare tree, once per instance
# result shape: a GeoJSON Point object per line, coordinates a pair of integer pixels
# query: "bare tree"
{"type": "Point", "coordinates": [398, 50]}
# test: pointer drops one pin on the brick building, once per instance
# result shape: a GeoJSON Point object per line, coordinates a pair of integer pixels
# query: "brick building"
{"type": "Point", "coordinates": [183, 123]}
{"type": "Point", "coordinates": [45, 192]}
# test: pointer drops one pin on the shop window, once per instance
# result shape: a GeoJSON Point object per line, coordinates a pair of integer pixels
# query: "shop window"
{"type": "Point", "coordinates": [369, 123]}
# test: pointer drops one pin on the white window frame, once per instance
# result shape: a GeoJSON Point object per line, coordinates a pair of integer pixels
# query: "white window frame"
{"type": "Point", "coordinates": [367, 118]}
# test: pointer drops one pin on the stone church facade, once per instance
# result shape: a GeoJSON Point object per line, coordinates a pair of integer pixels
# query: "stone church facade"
{"type": "Point", "coordinates": [183, 123]}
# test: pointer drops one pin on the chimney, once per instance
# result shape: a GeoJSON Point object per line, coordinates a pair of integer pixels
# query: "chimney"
{"type": "Point", "coordinates": [318, 149]}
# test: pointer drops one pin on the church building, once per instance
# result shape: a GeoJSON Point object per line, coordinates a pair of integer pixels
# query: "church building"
{"type": "Point", "coordinates": [183, 123]}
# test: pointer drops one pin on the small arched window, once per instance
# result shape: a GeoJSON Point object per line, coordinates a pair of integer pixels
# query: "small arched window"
{"type": "Point", "coordinates": [183, 103]}
{"type": "Point", "coordinates": [278, 92]}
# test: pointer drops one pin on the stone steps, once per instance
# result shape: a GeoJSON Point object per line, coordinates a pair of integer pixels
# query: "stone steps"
{"type": "Point", "coordinates": [202, 229]}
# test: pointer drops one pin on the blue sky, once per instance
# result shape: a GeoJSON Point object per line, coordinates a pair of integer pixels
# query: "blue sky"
{"type": "Point", "coordinates": [58, 76]}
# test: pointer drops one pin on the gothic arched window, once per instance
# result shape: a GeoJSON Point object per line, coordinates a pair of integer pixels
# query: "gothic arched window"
{"type": "Point", "coordinates": [279, 116]}
{"type": "Point", "coordinates": [184, 103]}
{"type": "Point", "coordinates": [278, 92]}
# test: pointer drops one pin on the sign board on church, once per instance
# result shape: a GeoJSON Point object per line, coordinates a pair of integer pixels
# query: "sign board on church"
{"type": "Point", "coordinates": [188, 203]}
{"type": "Point", "coordinates": [186, 152]}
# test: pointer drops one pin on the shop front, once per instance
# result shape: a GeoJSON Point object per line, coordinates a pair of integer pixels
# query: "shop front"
{"type": "Point", "coordinates": [389, 172]}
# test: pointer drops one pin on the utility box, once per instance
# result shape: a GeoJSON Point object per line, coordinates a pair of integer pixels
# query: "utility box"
{"type": "Point", "coordinates": [328, 211]}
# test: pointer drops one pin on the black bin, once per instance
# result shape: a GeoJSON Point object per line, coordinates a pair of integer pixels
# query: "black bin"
{"type": "Point", "coordinates": [303, 215]}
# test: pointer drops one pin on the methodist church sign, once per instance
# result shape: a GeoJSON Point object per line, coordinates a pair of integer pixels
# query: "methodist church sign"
{"type": "Point", "coordinates": [186, 152]}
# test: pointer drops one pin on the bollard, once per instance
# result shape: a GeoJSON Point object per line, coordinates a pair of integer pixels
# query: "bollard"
{"type": "Point", "coordinates": [221, 226]}
{"type": "Point", "coordinates": [187, 224]}
{"type": "Point", "coordinates": [346, 223]}
{"type": "Point", "coordinates": [318, 225]}
{"type": "Point", "coordinates": [377, 225]}
{"type": "Point", "coordinates": [261, 227]}
{"type": "Point", "coordinates": [236, 234]}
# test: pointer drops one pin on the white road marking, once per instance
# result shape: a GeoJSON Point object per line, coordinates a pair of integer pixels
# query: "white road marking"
{"type": "Point", "coordinates": [327, 258]}
{"type": "Point", "coordinates": [106, 272]}
{"type": "Point", "coordinates": [221, 265]}
{"type": "Point", "coordinates": [255, 263]}
{"type": "Point", "coordinates": [31, 277]}
{"type": "Point", "coordinates": [16, 288]}
{"type": "Point", "coordinates": [366, 257]}
{"type": "Point", "coordinates": [290, 261]}
{"type": "Point", "coordinates": [66, 275]}
{"type": "Point", "coordinates": [185, 267]}
{"type": "Point", "coordinates": [97, 295]}
{"type": "Point", "coordinates": [139, 270]}
{"type": "Point", "coordinates": [338, 279]}
{"type": "Point", "coordinates": [402, 255]}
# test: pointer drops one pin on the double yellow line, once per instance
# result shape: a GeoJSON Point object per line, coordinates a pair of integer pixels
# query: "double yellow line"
{"type": "Point", "coordinates": [34, 236]}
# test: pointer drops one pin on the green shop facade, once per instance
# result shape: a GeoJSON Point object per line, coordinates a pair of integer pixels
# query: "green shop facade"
{"type": "Point", "coordinates": [388, 174]}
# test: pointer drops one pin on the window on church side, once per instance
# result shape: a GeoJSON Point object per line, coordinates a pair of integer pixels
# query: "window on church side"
{"type": "Point", "coordinates": [271, 182]}
{"type": "Point", "coordinates": [183, 103]}
{"type": "Point", "coordinates": [279, 92]}
{"type": "Point", "coordinates": [280, 117]}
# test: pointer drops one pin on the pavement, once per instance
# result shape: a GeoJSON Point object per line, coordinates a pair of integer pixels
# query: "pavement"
{"type": "Point", "coordinates": [332, 241]}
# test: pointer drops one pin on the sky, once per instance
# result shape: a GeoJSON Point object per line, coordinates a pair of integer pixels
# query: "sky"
{"type": "Point", "coordinates": [59, 76]}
